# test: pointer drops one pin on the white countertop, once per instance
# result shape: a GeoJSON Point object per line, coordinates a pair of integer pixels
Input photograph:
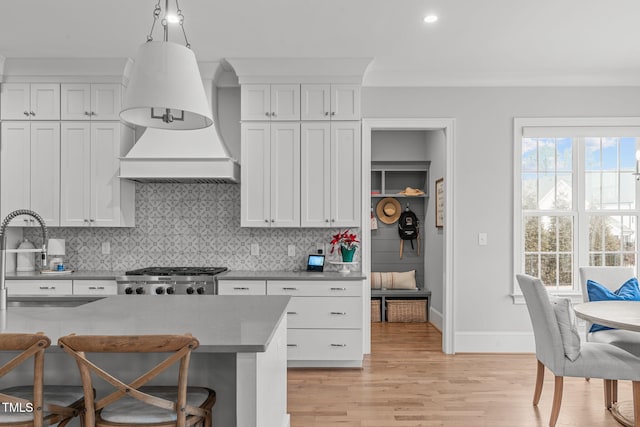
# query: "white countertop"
{"type": "Point", "coordinates": [290, 275]}
{"type": "Point", "coordinates": [222, 324]}
{"type": "Point", "coordinates": [76, 275]}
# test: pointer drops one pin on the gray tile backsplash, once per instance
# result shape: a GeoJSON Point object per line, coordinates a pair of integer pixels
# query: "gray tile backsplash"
{"type": "Point", "coordinates": [189, 225]}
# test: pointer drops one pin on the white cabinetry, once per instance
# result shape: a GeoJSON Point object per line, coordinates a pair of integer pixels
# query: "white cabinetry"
{"type": "Point", "coordinates": [270, 192]}
{"type": "Point", "coordinates": [95, 287]}
{"type": "Point", "coordinates": [30, 101]}
{"type": "Point", "coordinates": [86, 101]}
{"type": "Point", "coordinates": [330, 102]}
{"type": "Point", "coordinates": [242, 287]}
{"type": "Point", "coordinates": [270, 102]}
{"type": "Point", "coordinates": [324, 318]}
{"type": "Point", "coordinates": [330, 177]}
{"type": "Point", "coordinates": [30, 170]}
{"type": "Point", "coordinates": [324, 321]}
{"type": "Point", "coordinates": [39, 287]}
{"type": "Point", "coordinates": [91, 192]}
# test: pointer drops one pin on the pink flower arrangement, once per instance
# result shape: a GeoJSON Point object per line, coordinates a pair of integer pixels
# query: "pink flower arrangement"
{"type": "Point", "coordinates": [349, 240]}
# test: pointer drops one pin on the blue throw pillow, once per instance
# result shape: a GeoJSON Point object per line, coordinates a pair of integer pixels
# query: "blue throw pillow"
{"type": "Point", "coordinates": [629, 291]}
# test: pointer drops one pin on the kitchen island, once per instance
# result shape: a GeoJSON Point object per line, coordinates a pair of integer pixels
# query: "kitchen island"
{"type": "Point", "coordinates": [242, 353]}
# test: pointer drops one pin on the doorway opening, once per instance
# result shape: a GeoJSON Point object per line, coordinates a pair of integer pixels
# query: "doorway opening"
{"type": "Point", "coordinates": [412, 151]}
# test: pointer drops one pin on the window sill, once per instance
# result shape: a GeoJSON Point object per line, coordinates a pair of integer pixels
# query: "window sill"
{"type": "Point", "coordinates": [576, 298]}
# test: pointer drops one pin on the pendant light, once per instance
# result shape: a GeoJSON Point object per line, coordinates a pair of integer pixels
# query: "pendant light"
{"type": "Point", "coordinates": [165, 90]}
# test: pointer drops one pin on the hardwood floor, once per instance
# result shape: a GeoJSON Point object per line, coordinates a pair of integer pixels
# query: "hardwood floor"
{"type": "Point", "coordinates": [408, 381]}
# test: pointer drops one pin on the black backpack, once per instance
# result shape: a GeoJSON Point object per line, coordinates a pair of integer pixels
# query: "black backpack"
{"type": "Point", "coordinates": [408, 226]}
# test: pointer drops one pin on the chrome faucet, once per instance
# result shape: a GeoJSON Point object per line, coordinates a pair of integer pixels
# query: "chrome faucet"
{"type": "Point", "coordinates": [3, 249]}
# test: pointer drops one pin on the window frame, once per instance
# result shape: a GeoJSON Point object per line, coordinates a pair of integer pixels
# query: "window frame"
{"type": "Point", "coordinates": [578, 209]}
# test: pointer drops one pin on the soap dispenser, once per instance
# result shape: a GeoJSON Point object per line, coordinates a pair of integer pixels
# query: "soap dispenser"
{"type": "Point", "coordinates": [26, 261]}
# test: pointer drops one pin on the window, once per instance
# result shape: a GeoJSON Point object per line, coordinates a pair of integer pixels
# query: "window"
{"type": "Point", "coordinates": [575, 197]}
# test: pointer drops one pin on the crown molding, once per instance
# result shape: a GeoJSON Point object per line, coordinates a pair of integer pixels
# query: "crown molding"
{"type": "Point", "coordinates": [299, 70]}
{"type": "Point", "coordinates": [64, 70]}
{"type": "Point", "coordinates": [2, 59]}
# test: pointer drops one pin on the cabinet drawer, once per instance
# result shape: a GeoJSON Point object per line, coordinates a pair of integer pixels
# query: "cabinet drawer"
{"type": "Point", "coordinates": [324, 312]}
{"type": "Point", "coordinates": [95, 287]}
{"type": "Point", "coordinates": [318, 344]}
{"type": "Point", "coordinates": [39, 287]}
{"type": "Point", "coordinates": [315, 288]}
{"type": "Point", "coordinates": [242, 287]}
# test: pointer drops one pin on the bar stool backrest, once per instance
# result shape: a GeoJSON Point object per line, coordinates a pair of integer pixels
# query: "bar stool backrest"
{"type": "Point", "coordinates": [179, 347]}
{"type": "Point", "coordinates": [30, 345]}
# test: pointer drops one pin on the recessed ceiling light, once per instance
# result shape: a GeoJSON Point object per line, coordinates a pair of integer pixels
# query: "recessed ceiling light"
{"type": "Point", "coordinates": [430, 19]}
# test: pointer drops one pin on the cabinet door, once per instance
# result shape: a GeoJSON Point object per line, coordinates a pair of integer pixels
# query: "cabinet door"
{"type": "Point", "coordinates": [39, 287]}
{"type": "Point", "coordinates": [285, 102]}
{"type": "Point", "coordinates": [15, 169]}
{"type": "Point", "coordinates": [105, 184]}
{"type": "Point", "coordinates": [75, 174]}
{"type": "Point", "coordinates": [255, 102]}
{"type": "Point", "coordinates": [255, 191]}
{"type": "Point", "coordinates": [315, 170]}
{"type": "Point", "coordinates": [45, 101]}
{"type": "Point", "coordinates": [75, 102]}
{"type": "Point", "coordinates": [345, 102]}
{"type": "Point", "coordinates": [95, 287]}
{"type": "Point", "coordinates": [242, 287]}
{"type": "Point", "coordinates": [14, 101]}
{"type": "Point", "coordinates": [285, 174]}
{"type": "Point", "coordinates": [105, 101]}
{"type": "Point", "coordinates": [315, 102]}
{"type": "Point", "coordinates": [45, 171]}
{"type": "Point", "coordinates": [345, 174]}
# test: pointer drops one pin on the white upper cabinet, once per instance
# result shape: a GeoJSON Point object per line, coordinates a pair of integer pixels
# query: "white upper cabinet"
{"type": "Point", "coordinates": [30, 101]}
{"type": "Point", "coordinates": [100, 101]}
{"type": "Point", "coordinates": [270, 191]}
{"type": "Point", "coordinates": [30, 171]}
{"type": "Point", "coordinates": [330, 102]}
{"type": "Point", "coordinates": [277, 102]}
{"type": "Point", "coordinates": [91, 192]}
{"type": "Point", "coordinates": [330, 174]}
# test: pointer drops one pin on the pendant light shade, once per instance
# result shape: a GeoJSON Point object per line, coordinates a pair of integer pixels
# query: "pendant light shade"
{"type": "Point", "coordinates": [165, 90]}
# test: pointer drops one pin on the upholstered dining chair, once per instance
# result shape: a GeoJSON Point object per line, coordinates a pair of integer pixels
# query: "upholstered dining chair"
{"type": "Point", "coordinates": [133, 403]}
{"type": "Point", "coordinates": [611, 278]}
{"type": "Point", "coordinates": [559, 349]}
{"type": "Point", "coordinates": [36, 404]}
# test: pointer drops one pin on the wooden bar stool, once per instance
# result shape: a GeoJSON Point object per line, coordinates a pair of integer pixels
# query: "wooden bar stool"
{"type": "Point", "coordinates": [132, 404]}
{"type": "Point", "coordinates": [35, 405]}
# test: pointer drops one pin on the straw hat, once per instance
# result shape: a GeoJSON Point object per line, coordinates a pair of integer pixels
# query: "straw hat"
{"type": "Point", "coordinates": [388, 210]}
{"type": "Point", "coordinates": [412, 192]}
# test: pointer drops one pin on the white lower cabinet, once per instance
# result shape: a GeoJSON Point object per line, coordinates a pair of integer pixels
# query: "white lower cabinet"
{"type": "Point", "coordinates": [39, 287]}
{"type": "Point", "coordinates": [242, 287]}
{"type": "Point", "coordinates": [95, 287]}
{"type": "Point", "coordinates": [324, 318]}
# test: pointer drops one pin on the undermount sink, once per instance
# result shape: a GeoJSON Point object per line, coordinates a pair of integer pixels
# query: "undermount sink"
{"type": "Point", "coordinates": [49, 301]}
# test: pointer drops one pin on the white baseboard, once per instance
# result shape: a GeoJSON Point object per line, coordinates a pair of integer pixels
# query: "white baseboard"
{"type": "Point", "coordinates": [435, 318]}
{"type": "Point", "coordinates": [494, 342]}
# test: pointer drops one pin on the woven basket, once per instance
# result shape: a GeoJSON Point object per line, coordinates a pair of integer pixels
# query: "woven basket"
{"type": "Point", "coordinates": [399, 310]}
{"type": "Point", "coordinates": [375, 310]}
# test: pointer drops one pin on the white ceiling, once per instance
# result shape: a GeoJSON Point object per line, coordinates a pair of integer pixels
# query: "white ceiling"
{"type": "Point", "coordinates": [475, 42]}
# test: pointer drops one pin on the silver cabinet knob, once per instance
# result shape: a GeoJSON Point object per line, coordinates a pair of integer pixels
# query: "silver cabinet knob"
{"type": "Point", "coordinates": [326, 220]}
{"type": "Point", "coordinates": [273, 114]}
{"type": "Point", "coordinates": [33, 114]}
{"type": "Point", "coordinates": [93, 113]}
{"type": "Point", "coordinates": [26, 113]}
{"type": "Point", "coordinates": [267, 114]}
{"type": "Point", "coordinates": [266, 220]}
{"type": "Point", "coordinates": [326, 113]}
{"type": "Point", "coordinates": [86, 113]}
{"type": "Point", "coordinates": [86, 220]}
{"type": "Point", "coordinates": [333, 113]}
{"type": "Point", "coordinates": [273, 220]}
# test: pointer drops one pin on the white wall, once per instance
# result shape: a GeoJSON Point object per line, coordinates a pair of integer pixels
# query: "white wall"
{"type": "Point", "coordinates": [485, 317]}
{"type": "Point", "coordinates": [434, 142]}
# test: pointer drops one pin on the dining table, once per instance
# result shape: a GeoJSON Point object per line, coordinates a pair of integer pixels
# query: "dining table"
{"type": "Point", "coordinates": [620, 315]}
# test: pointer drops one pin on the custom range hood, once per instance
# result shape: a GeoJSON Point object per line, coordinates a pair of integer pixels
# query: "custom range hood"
{"type": "Point", "coordinates": [189, 156]}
